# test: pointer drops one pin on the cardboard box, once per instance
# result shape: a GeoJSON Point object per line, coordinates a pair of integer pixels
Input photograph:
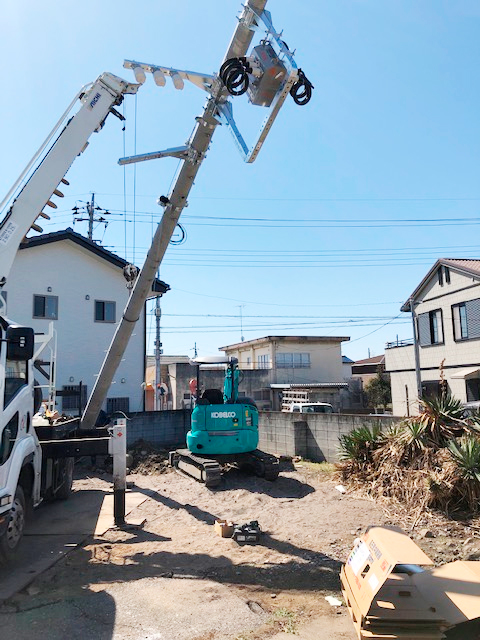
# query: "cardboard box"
{"type": "Point", "coordinates": [224, 528]}
{"type": "Point", "coordinates": [391, 593]}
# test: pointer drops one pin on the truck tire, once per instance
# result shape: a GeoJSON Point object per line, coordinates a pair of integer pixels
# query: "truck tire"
{"type": "Point", "coordinates": [10, 540]}
{"type": "Point", "coordinates": [65, 490]}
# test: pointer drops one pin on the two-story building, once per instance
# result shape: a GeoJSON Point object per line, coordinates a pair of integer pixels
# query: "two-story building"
{"type": "Point", "coordinates": [308, 365]}
{"type": "Point", "coordinates": [65, 279]}
{"type": "Point", "coordinates": [445, 309]}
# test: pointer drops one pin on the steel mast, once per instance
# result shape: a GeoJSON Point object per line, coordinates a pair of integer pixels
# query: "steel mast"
{"type": "Point", "coordinates": [192, 155]}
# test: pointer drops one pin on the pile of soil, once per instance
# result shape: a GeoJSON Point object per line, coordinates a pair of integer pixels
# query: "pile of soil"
{"type": "Point", "coordinates": [147, 459]}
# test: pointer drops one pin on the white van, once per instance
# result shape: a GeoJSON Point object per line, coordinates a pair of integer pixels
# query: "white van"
{"type": "Point", "coordinates": [310, 407]}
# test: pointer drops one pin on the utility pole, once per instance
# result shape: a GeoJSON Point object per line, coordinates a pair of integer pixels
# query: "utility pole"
{"type": "Point", "coordinates": [240, 306]}
{"type": "Point", "coordinates": [90, 210]}
{"type": "Point", "coordinates": [158, 350]}
{"type": "Point", "coordinates": [416, 348]}
{"type": "Point", "coordinates": [233, 79]}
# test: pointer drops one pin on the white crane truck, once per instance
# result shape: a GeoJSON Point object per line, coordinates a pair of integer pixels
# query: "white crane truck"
{"type": "Point", "coordinates": [36, 463]}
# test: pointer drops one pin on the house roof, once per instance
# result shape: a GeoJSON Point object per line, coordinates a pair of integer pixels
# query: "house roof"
{"type": "Point", "coordinates": [346, 360]}
{"type": "Point", "coordinates": [291, 339]}
{"type": "Point", "coordinates": [373, 360]}
{"type": "Point", "coordinates": [158, 286]}
{"type": "Point", "coordinates": [465, 266]}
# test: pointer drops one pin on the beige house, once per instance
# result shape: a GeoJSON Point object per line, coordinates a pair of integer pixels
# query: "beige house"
{"type": "Point", "coordinates": [446, 316]}
{"type": "Point", "coordinates": [311, 364]}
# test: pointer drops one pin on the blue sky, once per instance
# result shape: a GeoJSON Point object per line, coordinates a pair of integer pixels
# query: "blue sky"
{"type": "Point", "coordinates": [352, 198]}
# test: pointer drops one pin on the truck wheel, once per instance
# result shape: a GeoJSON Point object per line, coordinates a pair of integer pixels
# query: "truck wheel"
{"type": "Point", "coordinates": [66, 489]}
{"type": "Point", "coordinates": [15, 528]}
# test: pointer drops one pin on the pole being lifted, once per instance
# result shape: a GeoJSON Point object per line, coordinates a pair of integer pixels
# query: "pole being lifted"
{"type": "Point", "coordinates": [174, 204]}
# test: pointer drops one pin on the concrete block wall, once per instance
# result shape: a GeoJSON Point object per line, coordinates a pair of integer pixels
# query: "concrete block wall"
{"type": "Point", "coordinates": [312, 436]}
{"type": "Point", "coordinates": [162, 428]}
{"type": "Point", "coordinates": [315, 436]}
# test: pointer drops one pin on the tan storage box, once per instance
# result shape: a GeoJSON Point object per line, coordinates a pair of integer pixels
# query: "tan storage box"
{"type": "Point", "coordinates": [224, 528]}
{"type": "Point", "coordinates": [390, 594]}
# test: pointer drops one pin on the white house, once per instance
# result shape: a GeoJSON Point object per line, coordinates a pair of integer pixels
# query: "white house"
{"type": "Point", "coordinates": [446, 314]}
{"type": "Point", "coordinates": [78, 285]}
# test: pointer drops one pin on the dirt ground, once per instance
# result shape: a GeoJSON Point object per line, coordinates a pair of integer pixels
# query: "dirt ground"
{"type": "Point", "coordinates": [175, 579]}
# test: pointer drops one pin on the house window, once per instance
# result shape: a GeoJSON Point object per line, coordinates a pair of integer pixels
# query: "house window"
{"type": "Point", "coordinates": [430, 328]}
{"type": "Point", "coordinates": [460, 326]}
{"type": "Point", "coordinates": [472, 387]}
{"type": "Point", "coordinates": [443, 274]}
{"type": "Point", "coordinates": [45, 307]}
{"type": "Point", "coordinates": [263, 362]}
{"type": "Point", "coordinates": [118, 404]}
{"type": "Point", "coordinates": [466, 320]}
{"type": "Point", "coordinates": [431, 389]}
{"type": "Point", "coordinates": [104, 311]}
{"type": "Point", "coordinates": [293, 360]}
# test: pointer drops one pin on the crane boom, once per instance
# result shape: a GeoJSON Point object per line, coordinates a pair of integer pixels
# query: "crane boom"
{"type": "Point", "coordinates": [98, 100]}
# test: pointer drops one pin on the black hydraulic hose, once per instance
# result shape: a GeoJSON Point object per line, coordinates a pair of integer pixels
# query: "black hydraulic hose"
{"type": "Point", "coordinates": [301, 91]}
{"type": "Point", "coordinates": [234, 75]}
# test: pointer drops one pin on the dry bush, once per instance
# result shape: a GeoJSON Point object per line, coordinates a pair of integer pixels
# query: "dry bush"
{"type": "Point", "coordinates": [410, 467]}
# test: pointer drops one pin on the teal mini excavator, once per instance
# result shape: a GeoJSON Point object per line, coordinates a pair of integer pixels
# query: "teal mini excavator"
{"type": "Point", "coordinates": [223, 432]}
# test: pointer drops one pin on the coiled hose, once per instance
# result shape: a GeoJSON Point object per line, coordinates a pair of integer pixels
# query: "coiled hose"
{"type": "Point", "coordinates": [234, 74]}
{"type": "Point", "coordinates": [301, 91]}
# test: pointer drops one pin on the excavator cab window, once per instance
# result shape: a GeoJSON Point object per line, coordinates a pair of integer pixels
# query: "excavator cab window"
{"type": "Point", "coordinates": [213, 396]}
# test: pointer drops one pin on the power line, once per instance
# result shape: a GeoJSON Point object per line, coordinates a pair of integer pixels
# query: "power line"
{"type": "Point", "coordinates": [308, 199]}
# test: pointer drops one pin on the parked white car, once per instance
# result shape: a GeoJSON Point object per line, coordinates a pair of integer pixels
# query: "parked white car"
{"type": "Point", "coordinates": [310, 407]}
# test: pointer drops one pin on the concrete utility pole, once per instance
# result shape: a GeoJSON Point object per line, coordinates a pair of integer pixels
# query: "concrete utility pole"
{"type": "Point", "coordinates": [91, 211]}
{"type": "Point", "coordinates": [174, 204]}
{"type": "Point", "coordinates": [158, 350]}
{"type": "Point", "coordinates": [418, 374]}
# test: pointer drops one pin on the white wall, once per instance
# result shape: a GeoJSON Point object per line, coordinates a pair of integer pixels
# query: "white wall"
{"type": "Point", "coordinates": [74, 273]}
{"type": "Point", "coordinates": [400, 361]}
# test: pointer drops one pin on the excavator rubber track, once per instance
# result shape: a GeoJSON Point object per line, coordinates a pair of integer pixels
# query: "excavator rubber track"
{"type": "Point", "coordinates": [264, 464]}
{"type": "Point", "coordinates": [205, 470]}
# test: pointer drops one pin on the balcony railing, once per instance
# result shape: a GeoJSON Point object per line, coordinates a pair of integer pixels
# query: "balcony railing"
{"type": "Point", "coordinates": [399, 343]}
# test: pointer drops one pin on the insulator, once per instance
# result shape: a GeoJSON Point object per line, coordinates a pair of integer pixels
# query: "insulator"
{"type": "Point", "coordinates": [63, 181]}
{"type": "Point", "coordinates": [58, 193]}
{"type": "Point", "coordinates": [139, 74]}
{"type": "Point", "coordinates": [177, 81]}
{"type": "Point", "coordinates": [159, 78]}
{"type": "Point", "coordinates": [51, 204]}
{"type": "Point", "coordinates": [35, 227]}
{"type": "Point", "coordinates": [42, 214]}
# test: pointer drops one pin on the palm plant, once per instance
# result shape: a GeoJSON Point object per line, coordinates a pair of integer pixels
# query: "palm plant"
{"type": "Point", "coordinates": [466, 454]}
{"type": "Point", "coordinates": [467, 457]}
{"type": "Point", "coordinates": [442, 418]}
{"type": "Point", "coordinates": [358, 445]}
